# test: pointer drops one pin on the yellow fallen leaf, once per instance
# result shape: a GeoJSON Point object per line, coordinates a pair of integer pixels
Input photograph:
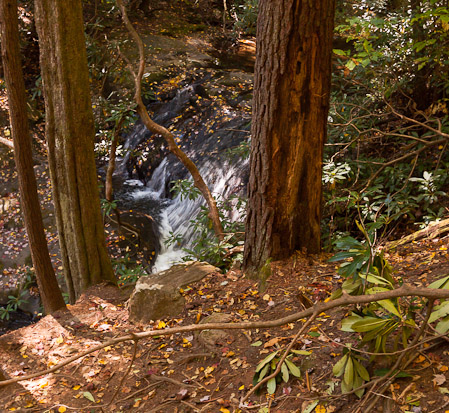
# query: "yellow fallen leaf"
{"type": "Point", "coordinates": [59, 340]}
{"type": "Point", "coordinates": [320, 409]}
{"type": "Point", "coordinates": [420, 359]}
{"type": "Point", "coordinates": [161, 325]}
{"type": "Point", "coordinates": [242, 387]}
{"type": "Point", "coordinates": [224, 410]}
{"type": "Point", "coordinates": [77, 387]}
{"type": "Point", "coordinates": [62, 409]}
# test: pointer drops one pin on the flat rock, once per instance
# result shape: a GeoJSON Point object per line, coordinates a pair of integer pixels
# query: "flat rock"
{"type": "Point", "coordinates": [210, 338]}
{"type": "Point", "coordinates": [157, 295]}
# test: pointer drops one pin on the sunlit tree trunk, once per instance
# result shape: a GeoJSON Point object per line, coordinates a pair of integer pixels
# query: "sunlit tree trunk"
{"type": "Point", "coordinates": [290, 106]}
{"type": "Point", "coordinates": [70, 139]}
{"type": "Point", "coordinates": [51, 296]}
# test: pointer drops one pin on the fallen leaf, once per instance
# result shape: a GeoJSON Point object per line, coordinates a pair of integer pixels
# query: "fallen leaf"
{"type": "Point", "coordinates": [88, 396]}
{"type": "Point", "coordinates": [182, 394]}
{"type": "Point", "coordinates": [272, 342]}
{"type": "Point", "coordinates": [439, 379]}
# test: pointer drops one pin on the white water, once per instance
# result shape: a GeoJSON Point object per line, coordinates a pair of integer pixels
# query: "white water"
{"type": "Point", "coordinates": [175, 218]}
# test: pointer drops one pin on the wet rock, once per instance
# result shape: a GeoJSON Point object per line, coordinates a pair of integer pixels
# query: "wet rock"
{"type": "Point", "coordinates": [157, 296]}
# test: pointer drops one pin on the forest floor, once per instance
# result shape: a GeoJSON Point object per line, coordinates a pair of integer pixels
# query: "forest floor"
{"type": "Point", "coordinates": [179, 373]}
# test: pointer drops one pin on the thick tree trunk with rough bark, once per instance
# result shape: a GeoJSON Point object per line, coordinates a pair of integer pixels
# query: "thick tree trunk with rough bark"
{"type": "Point", "coordinates": [290, 106]}
{"type": "Point", "coordinates": [48, 286]}
{"type": "Point", "coordinates": [70, 139]}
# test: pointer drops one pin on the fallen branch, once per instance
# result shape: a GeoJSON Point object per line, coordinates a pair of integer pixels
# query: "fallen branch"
{"type": "Point", "coordinates": [431, 231]}
{"type": "Point", "coordinates": [165, 133]}
{"type": "Point", "coordinates": [170, 380]}
{"type": "Point", "coordinates": [7, 142]}
{"type": "Point", "coordinates": [346, 300]}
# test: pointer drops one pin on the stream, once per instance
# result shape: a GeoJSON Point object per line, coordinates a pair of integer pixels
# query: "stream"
{"type": "Point", "coordinates": [209, 118]}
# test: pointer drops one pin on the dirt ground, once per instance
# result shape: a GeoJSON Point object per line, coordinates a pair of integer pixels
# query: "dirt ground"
{"type": "Point", "coordinates": [180, 373]}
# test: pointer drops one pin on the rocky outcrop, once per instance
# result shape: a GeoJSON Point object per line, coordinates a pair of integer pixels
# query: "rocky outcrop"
{"type": "Point", "coordinates": [157, 296]}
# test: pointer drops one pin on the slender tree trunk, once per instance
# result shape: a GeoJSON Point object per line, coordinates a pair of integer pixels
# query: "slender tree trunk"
{"type": "Point", "coordinates": [290, 106]}
{"type": "Point", "coordinates": [109, 190]}
{"type": "Point", "coordinates": [48, 286]}
{"type": "Point", "coordinates": [70, 138]}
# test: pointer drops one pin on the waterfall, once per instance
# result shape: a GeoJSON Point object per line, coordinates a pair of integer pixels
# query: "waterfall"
{"type": "Point", "coordinates": [205, 135]}
{"type": "Point", "coordinates": [175, 214]}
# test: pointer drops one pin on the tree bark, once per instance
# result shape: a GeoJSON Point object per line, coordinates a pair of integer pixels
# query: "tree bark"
{"type": "Point", "coordinates": [290, 106]}
{"type": "Point", "coordinates": [70, 138]}
{"type": "Point", "coordinates": [50, 293]}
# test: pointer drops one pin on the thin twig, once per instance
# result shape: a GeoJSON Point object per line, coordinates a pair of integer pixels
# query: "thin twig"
{"type": "Point", "coordinates": [127, 372]}
{"type": "Point", "coordinates": [170, 380]}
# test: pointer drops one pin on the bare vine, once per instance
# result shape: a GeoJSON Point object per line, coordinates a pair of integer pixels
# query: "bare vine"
{"type": "Point", "coordinates": [165, 133]}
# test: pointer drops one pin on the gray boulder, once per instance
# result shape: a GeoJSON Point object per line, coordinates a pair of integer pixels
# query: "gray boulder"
{"type": "Point", "coordinates": [157, 295]}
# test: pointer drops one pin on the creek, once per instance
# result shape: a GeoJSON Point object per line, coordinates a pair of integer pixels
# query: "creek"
{"type": "Point", "coordinates": [209, 116]}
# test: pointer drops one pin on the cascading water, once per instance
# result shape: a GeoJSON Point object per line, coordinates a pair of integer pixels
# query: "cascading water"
{"type": "Point", "coordinates": [207, 146]}
{"type": "Point", "coordinates": [175, 217]}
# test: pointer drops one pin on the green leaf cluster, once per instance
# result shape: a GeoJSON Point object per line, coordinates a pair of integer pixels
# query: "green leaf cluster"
{"type": "Point", "coordinates": [269, 364]}
{"type": "Point", "coordinates": [353, 373]}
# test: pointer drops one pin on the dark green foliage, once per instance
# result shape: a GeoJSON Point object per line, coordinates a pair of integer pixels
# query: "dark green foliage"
{"type": "Point", "coordinates": [127, 270]}
{"type": "Point", "coordinates": [386, 157]}
{"type": "Point", "coordinates": [245, 12]}
{"type": "Point", "coordinates": [15, 301]}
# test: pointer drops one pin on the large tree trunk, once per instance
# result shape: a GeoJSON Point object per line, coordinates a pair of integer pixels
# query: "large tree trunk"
{"type": "Point", "coordinates": [290, 106]}
{"type": "Point", "coordinates": [48, 286]}
{"type": "Point", "coordinates": [70, 138]}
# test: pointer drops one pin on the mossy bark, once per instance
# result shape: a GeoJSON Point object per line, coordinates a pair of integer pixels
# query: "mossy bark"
{"type": "Point", "coordinates": [70, 138]}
